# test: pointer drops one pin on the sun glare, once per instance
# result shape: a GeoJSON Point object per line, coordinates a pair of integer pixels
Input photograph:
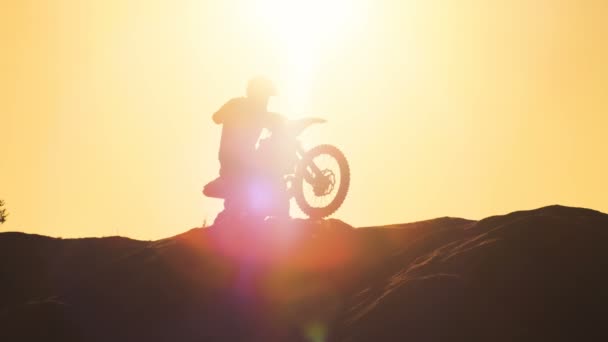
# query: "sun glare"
{"type": "Point", "coordinates": [303, 32]}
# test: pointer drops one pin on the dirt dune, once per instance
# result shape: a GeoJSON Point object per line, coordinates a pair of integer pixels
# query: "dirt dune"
{"type": "Point", "coordinates": [526, 276]}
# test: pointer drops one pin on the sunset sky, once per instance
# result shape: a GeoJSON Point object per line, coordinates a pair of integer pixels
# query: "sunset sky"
{"type": "Point", "coordinates": [464, 108]}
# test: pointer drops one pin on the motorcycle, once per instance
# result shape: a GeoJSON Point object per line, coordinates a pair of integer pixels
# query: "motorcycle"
{"type": "Point", "coordinates": [318, 179]}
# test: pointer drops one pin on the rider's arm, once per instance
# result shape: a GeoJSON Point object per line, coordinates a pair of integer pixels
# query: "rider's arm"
{"type": "Point", "coordinates": [300, 124]}
{"type": "Point", "coordinates": [310, 121]}
{"type": "Point", "coordinates": [220, 116]}
{"type": "Point", "coordinates": [274, 120]}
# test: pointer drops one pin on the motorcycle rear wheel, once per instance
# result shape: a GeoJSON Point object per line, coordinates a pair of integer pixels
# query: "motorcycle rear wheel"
{"type": "Point", "coordinates": [300, 181]}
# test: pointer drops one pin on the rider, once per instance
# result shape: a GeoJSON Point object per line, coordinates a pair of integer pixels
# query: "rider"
{"type": "Point", "coordinates": [242, 120]}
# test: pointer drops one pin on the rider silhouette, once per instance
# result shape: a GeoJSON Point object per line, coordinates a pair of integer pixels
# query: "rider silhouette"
{"type": "Point", "coordinates": [243, 120]}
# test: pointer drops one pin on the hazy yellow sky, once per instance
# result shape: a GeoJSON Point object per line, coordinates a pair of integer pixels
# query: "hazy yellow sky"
{"type": "Point", "coordinates": [463, 108]}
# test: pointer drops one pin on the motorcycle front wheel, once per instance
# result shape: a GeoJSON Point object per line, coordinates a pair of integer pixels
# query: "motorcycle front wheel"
{"type": "Point", "coordinates": [321, 181]}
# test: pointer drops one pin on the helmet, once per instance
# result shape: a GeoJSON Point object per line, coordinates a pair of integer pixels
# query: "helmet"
{"type": "Point", "coordinates": [260, 86]}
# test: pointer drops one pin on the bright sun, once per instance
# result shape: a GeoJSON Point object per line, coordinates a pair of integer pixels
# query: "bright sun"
{"type": "Point", "coordinates": [303, 32]}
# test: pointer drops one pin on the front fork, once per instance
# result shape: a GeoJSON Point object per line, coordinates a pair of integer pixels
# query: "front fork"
{"type": "Point", "coordinates": [309, 177]}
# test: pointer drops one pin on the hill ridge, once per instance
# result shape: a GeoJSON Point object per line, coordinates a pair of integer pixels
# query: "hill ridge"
{"type": "Point", "coordinates": [505, 277]}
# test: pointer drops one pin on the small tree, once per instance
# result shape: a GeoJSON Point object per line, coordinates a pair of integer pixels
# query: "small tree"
{"type": "Point", "coordinates": [3, 213]}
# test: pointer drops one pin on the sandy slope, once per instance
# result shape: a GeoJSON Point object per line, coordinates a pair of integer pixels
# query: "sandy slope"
{"type": "Point", "coordinates": [530, 275]}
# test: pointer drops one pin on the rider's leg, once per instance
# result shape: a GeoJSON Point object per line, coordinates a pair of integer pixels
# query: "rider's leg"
{"type": "Point", "coordinates": [222, 217]}
{"type": "Point", "coordinates": [280, 198]}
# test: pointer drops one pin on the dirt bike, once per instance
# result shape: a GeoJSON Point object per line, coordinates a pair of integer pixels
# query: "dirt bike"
{"type": "Point", "coordinates": [318, 179]}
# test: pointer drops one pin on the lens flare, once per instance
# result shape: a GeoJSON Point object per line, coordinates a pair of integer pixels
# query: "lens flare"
{"type": "Point", "coordinates": [316, 332]}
